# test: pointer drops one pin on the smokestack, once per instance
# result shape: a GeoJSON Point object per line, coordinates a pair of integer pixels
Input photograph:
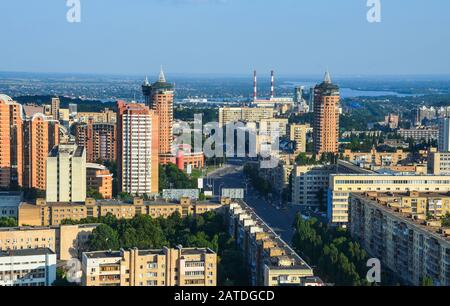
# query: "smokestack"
{"type": "Point", "coordinates": [255, 89]}
{"type": "Point", "coordinates": [272, 87]}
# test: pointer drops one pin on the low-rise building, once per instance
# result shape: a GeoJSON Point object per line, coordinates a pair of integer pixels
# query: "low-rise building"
{"type": "Point", "coordinates": [270, 260]}
{"type": "Point", "coordinates": [342, 185]}
{"type": "Point", "coordinates": [9, 204]}
{"type": "Point", "coordinates": [375, 158]}
{"type": "Point", "coordinates": [67, 241]}
{"type": "Point", "coordinates": [161, 267]}
{"type": "Point", "coordinates": [99, 179]}
{"type": "Point", "coordinates": [420, 133]}
{"type": "Point", "coordinates": [31, 267]}
{"type": "Point", "coordinates": [44, 213]}
{"type": "Point", "coordinates": [412, 247]}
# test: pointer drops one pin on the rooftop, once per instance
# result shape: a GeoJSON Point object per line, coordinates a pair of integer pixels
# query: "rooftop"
{"type": "Point", "coordinates": [26, 252]}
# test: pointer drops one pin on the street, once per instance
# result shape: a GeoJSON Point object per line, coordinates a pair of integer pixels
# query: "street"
{"type": "Point", "coordinates": [232, 176]}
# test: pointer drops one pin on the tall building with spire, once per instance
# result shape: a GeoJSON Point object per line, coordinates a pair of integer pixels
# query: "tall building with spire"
{"type": "Point", "coordinates": [326, 117]}
{"type": "Point", "coordinates": [159, 97]}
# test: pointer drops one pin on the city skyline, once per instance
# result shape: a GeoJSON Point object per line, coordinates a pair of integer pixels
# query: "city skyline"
{"type": "Point", "coordinates": [303, 37]}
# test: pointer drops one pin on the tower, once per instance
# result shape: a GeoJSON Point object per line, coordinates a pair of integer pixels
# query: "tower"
{"type": "Point", "coordinates": [137, 149]}
{"type": "Point", "coordinates": [326, 117]}
{"type": "Point", "coordinates": [159, 97]}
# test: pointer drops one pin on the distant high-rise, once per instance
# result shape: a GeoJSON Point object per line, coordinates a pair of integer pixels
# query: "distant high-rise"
{"type": "Point", "coordinates": [444, 135]}
{"type": "Point", "coordinates": [41, 134]}
{"type": "Point", "coordinates": [137, 149]}
{"type": "Point", "coordinates": [159, 97]}
{"type": "Point", "coordinates": [326, 117]}
{"type": "Point", "coordinates": [11, 123]}
{"type": "Point", "coordinates": [55, 108]}
{"type": "Point", "coordinates": [66, 174]}
{"type": "Point", "coordinates": [99, 140]}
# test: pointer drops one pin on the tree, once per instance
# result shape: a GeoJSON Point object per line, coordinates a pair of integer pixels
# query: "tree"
{"type": "Point", "coordinates": [446, 220]}
{"type": "Point", "coordinates": [103, 238]}
{"type": "Point", "coordinates": [8, 222]}
{"type": "Point", "coordinates": [92, 193]}
{"type": "Point", "coordinates": [427, 281]}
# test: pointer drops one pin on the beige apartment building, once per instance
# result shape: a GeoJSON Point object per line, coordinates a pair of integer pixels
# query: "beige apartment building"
{"type": "Point", "coordinates": [44, 213]}
{"type": "Point", "coordinates": [375, 158]}
{"type": "Point", "coordinates": [270, 260]}
{"type": "Point", "coordinates": [244, 114]}
{"type": "Point", "coordinates": [297, 134]}
{"type": "Point", "coordinates": [67, 241]}
{"type": "Point", "coordinates": [105, 116]}
{"type": "Point", "coordinates": [438, 163]}
{"type": "Point", "coordinates": [341, 186]}
{"type": "Point", "coordinates": [162, 267]}
{"type": "Point", "coordinates": [310, 184]}
{"type": "Point", "coordinates": [409, 245]}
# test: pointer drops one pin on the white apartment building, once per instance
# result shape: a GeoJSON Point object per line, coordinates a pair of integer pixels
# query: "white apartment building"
{"type": "Point", "coordinates": [66, 174]}
{"type": "Point", "coordinates": [310, 184]}
{"type": "Point", "coordinates": [444, 135]}
{"type": "Point", "coordinates": [30, 267]}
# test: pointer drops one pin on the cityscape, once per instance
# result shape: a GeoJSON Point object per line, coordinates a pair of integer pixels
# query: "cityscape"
{"type": "Point", "coordinates": [264, 178]}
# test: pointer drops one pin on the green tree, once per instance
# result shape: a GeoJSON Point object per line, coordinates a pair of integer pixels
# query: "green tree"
{"type": "Point", "coordinates": [427, 281]}
{"type": "Point", "coordinates": [8, 222]}
{"type": "Point", "coordinates": [103, 238]}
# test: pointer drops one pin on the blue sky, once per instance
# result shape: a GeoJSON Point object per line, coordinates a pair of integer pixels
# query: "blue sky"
{"type": "Point", "coordinates": [226, 36]}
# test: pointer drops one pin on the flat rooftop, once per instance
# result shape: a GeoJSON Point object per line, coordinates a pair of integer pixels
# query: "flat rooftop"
{"type": "Point", "coordinates": [26, 252]}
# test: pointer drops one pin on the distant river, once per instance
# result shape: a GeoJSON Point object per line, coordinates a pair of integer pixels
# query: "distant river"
{"type": "Point", "coordinates": [352, 93]}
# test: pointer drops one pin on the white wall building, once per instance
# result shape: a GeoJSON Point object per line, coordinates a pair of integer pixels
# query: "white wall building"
{"type": "Point", "coordinates": [444, 135]}
{"type": "Point", "coordinates": [31, 267]}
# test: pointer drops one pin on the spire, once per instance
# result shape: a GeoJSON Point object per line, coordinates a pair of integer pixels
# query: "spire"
{"type": "Point", "coordinates": [162, 78]}
{"type": "Point", "coordinates": [146, 81]}
{"type": "Point", "coordinates": [327, 78]}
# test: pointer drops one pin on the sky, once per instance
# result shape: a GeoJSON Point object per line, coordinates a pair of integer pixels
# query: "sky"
{"type": "Point", "coordinates": [294, 37]}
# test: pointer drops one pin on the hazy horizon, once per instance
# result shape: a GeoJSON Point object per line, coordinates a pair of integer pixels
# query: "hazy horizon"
{"type": "Point", "coordinates": [226, 37]}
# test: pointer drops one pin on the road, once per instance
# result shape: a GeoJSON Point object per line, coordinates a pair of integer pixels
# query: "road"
{"type": "Point", "coordinates": [231, 176]}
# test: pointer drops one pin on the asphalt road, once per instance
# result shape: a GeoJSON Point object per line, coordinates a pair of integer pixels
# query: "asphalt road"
{"type": "Point", "coordinates": [231, 176]}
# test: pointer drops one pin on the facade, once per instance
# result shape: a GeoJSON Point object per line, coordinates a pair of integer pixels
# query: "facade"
{"type": "Point", "coordinates": [375, 158]}
{"type": "Point", "coordinates": [44, 213]}
{"type": "Point", "coordinates": [438, 163]}
{"type": "Point", "coordinates": [244, 114]}
{"type": "Point", "coordinates": [66, 174]}
{"type": "Point", "coordinates": [9, 204]}
{"type": "Point", "coordinates": [55, 105]}
{"type": "Point", "coordinates": [41, 134]}
{"type": "Point", "coordinates": [420, 133]}
{"type": "Point", "coordinates": [36, 267]}
{"type": "Point", "coordinates": [310, 184]}
{"type": "Point", "coordinates": [67, 241]}
{"type": "Point", "coordinates": [99, 179]}
{"type": "Point", "coordinates": [278, 176]}
{"type": "Point", "coordinates": [11, 159]}
{"type": "Point", "coordinates": [391, 121]}
{"type": "Point", "coordinates": [105, 116]}
{"type": "Point", "coordinates": [137, 149]}
{"type": "Point", "coordinates": [99, 140]}
{"type": "Point", "coordinates": [159, 97]}
{"type": "Point", "coordinates": [413, 248]}
{"type": "Point", "coordinates": [297, 134]}
{"type": "Point", "coordinates": [273, 126]}
{"type": "Point", "coordinates": [162, 267]}
{"type": "Point", "coordinates": [326, 117]}
{"type": "Point", "coordinates": [341, 186]}
{"type": "Point", "coordinates": [270, 260]}
{"type": "Point", "coordinates": [444, 135]}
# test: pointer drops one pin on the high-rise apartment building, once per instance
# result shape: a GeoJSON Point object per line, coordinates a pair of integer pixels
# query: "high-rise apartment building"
{"type": "Point", "coordinates": [41, 134]}
{"type": "Point", "coordinates": [11, 159]}
{"type": "Point", "coordinates": [137, 149]}
{"type": "Point", "coordinates": [161, 267]}
{"type": "Point", "coordinates": [159, 97]}
{"type": "Point", "coordinates": [99, 140]}
{"type": "Point", "coordinates": [326, 117]}
{"type": "Point", "coordinates": [444, 135]}
{"type": "Point", "coordinates": [66, 174]}
{"type": "Point", "coordinates": [55, 108]}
